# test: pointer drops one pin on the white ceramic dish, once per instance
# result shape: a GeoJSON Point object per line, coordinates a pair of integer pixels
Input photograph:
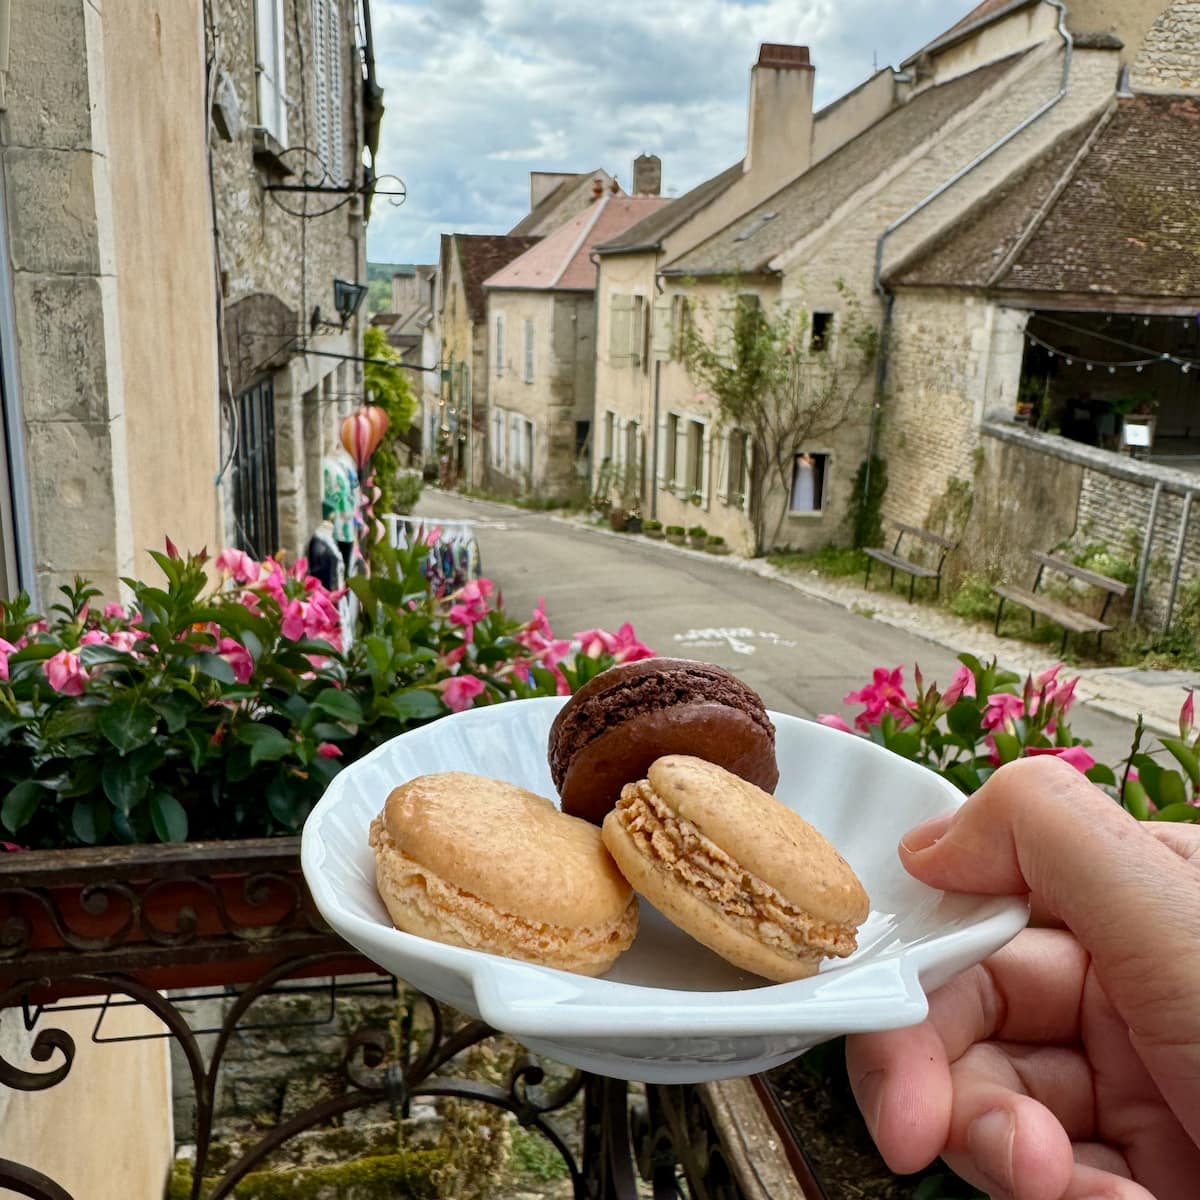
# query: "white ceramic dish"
{"type": "Point", "coordinates": [670, 1011]}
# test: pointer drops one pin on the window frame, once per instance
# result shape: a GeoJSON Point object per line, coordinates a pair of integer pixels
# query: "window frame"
{"type": "Point", "coordinates": [822, 484]}
{"type": "Point", "coordinates": [821, 342]}
{"type": "Point", "coordinates": [270, 69]}
{"type": "Point", "coordinates": [738, 439]}
{"type": "Point", "coordinates": [498, 338]}
{"type": "Point", "coordinates": [529, 348]}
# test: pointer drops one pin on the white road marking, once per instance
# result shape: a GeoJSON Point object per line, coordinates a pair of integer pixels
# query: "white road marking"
{"type": "Point", "coordinates": [739, 640]}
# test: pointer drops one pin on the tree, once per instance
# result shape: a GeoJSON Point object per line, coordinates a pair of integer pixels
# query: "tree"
{"type": "Point", "coordinates": [770, 378]}
{"type": "Point", "coordinates": [389, 388]}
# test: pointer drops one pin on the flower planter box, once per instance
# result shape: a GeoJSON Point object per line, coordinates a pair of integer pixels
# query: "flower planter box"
{"type": "Point", "coordinates": [617, 520]}
{"type": "Point", "coordinates": [677, 539]}
{"type": "Point", "coordinates": [698, 543]}
{"type": "Point", "coordinates": [170, 916]}
{"type": "Point", "coordinates": [656, 534]}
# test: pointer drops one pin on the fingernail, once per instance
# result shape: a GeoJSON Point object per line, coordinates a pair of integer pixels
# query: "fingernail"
{"type": "Point", "coordinates": [925, 834]}
{"type": "Point", "coordinates": [990, 1140]}
{"type": "Point", "coordinates": [869, 1094]}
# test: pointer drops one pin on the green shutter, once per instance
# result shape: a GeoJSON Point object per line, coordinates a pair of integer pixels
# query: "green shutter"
{"type": "Point", "coordinates": [620, 330]}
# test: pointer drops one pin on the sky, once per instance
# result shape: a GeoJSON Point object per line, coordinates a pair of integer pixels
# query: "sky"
{"type": "Point", "coordinates": [478, 93]}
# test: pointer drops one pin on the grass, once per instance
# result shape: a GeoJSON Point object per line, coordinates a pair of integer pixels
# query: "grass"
{"type": "Point", "coordinates": [838, 562]}
{"type": "Point", "coordinates": [533, 1156]}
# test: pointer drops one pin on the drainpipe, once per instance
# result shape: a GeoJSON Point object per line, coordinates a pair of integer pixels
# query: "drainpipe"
{"type": "Point", "coordinates": [1179, 547]}
{"type": "Point", "coordinates": [1144, 565]}
{"type": "Point", "coordinates": [884, 293]}
{"type": "Point", "coordinates": [13, 419]}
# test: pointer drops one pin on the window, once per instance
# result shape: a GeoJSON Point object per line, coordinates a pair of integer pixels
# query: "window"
{"type": "Point", "coordinates": [610, 438]}
{"type": "Point", "coordinates": [327, 73]}
{"type": "Point", "coordinates": [694, 463]}
{"type": "Point", "coordinates": [269, 67]}
{"type": "Point", "coordinates": [499, 343]}
{"type": "Point", "coordinates": [637, 332]}
{"type": "Point", "coordinates": [582, 430]}
{"type": "Point", "coordinates": [670, 450]}
{"type": "Point", "coordinates": [627, 330]}
{"type": "Point", "coordinates": [498, 439]}
{"type": "Point", "coordinates": [527, 447]}
{"type": "Point", "coordinates": [737, 478]}
{"type": "Point", "coordinates": [681, 316]}
{"type": "Point", "coordinates": [808, 483]}
{"type": "Point", "coordinates": [822, 328]}
{"type": "Point", "coordinates": [632, 449]}
{"type": "Point", "coordinates": [520, 445]}
{"type": "Point", "coordinates": [255, 515]}
{"type": "Point", "coordinates": [528, 351]}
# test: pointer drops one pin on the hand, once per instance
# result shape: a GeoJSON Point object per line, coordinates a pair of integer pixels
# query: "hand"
{"type": "Point", "coordinates": [1067, 1066]}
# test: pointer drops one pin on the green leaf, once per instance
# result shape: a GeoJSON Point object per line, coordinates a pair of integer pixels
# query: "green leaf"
{"type": "Point", "coordinates": [1007, 746]}
{"type": "Point", "coordinates": [964, 720]}
{"type": "Point", "coordinates": [266, 743]}
{"type": "Point", "coordinates": [339, 704]}
{"type": "Point", "coordinates": [1102, 775]}
{"type": "Point", "coordinates": [965, 777]}
{"type": "Point", "coordinates": [287, 802]}
{"type": "Point", "coordinates": [1185, 756]}
{"type": "Point", "coordinates": [1150, 775]}
{"type": "Point", "coordinates": [253, 645]}
{"type": "Point", "coordinates": [415, 704]}
{"type": "Point", "coordinates": [904, 743]}
{"type": "Point", "coordinates": [176, 709]}
{"type": "Point", "coordinates": [360, 585]}
{"type": "Point", "coordinates": [379, 657]}
{"type": "Point", "coordinates": [1135, 800]}
{"type": "Point", "coordinates": [71, 721]}
{"type": "Point", "coordinates": [1171, 790]}
{"type": "Point", "coordinates": [198, 746]}
{"type": "Point", "coordinates": [98, 653]}
{"type": "Point", "coordinates": [21, 803]}
{"type": "Point", "coordinates": [326, 731]}
{"type": "Point", "coordinates": [91, 821]}
{"type": "Point", "coordinates": [34, 652]}
{"type": "Point", "coordinates": [122, 784]}
{"type": "Point", "coordinates": [1177, 812]}
{"type": "Point", "coordinates": [389, 592]}
{"type": "Point", "coordinates": [212, 665]}
{"type": "Point", "coordinates": [84, 778]}
{"type": "Point", "coordinates": [168, 817]}
{"type": "Point", "coordinates": [127, 724]}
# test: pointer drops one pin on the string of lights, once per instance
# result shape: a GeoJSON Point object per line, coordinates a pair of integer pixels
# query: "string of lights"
{"type": "Point", "coordinates": [1112, 366]}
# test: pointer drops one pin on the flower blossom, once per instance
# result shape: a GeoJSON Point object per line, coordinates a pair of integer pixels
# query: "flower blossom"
{"type": "Point", "coordinates": [329, 750]}
{"type": "Point", "coordinates": [114, 612]}
{"type": "Point", "coordinates": [595, 642]}
{"type": "Point", "coordinates": [1187, 714]}
{"type": "Point", "coordinates": [238, 657]}
{"type": "Point", "coordinates": [240, 565]}
{"type": "Point", "coordinates": [1077, 756]}
{"type": "Point", "coordinates": [1001, 708]}
{"type": "Point", "coordinates": [963, 684]}
{"type": "Point", "coordinates": [66, 673]}
{"type": "Point", "coordinates": [883, 697]}
{"type": "Point", "coordinates": [459, 692]}
{"type": "Point", "coordinates": [833, 721]}
{"type": "Point", "coordinates": [471, 606]}
{"type": "Point", "coordinates": [6, 648]}
{"type": "Point", "coordinates": [627, 646]}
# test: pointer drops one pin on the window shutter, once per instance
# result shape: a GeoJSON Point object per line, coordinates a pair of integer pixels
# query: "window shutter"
{"type": "Point", "coordinates": [620, 330]}
{"type": "Point", "coordinates": [637, 332]}
{"type": "Point", "coordinates": [663, 334]}
{"type": "Point", "coordinates": [747, 469]}
{"type": "Point", "coordinates": [528, 351]}
{"type": "Point", "coordinates": [499, 343]}
{"type": "Point", "coordinates": [705, 466]}
{"type": "Point", "coordinates": [321, 76]}
{"type": "Point", "coordinates": [725, 459]}
{"type": "Point", "coordinates": [272, 104]}
{"type": "Point", "coordinates": [660, 464]}
{"type": "Point", "coordinates": [680, 315]}
{"type": "Point", "coordinates": [336, 102]}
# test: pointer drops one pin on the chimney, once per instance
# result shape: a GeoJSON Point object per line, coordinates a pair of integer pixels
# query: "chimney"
{"type": "Point", "coordinates": [779, 140]}
{"type": "Point", "coordinates": [647, 175]}
{"type": "Point", "coordinates": [597, 188]}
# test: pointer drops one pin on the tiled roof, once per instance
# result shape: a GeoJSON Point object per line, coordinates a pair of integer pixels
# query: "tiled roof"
{"type": "Point", "coordinates": [560, 261]}
{"type": "Point", "coordinates": [551, 201]}
{"type": "Point", "coordinates": [748, 244]}
{"type": "Point", "coordinates": [481, 255]}
{"type": "Point", "coordinates": [981, 14]}
{"type": "Point", "coordinates": [649, 232]}
{"type": "Point", "coordinates": [1120, 218]}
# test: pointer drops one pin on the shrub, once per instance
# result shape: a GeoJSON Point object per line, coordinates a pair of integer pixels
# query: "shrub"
{"type": "Point", "coordinates": [407, 491]}
{"type": "Point", "coordinates": [650, 525]}
{"type": "Point", "coordinates": [974, 598]}
{"type": "Point", "coordinates": [675, 531]}
{"type": "Point", "coordinates": [716, 540]}
{"type": "Point", "coordinates": [697, 531]}
{"type": "Point", "coordinates": [866, 503]}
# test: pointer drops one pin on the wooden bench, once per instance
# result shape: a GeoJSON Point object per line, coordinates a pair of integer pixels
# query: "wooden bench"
{"type": "Point", "coordinates": [895, 561]}
{"type": "Point", "coordinates": [1071, 620]}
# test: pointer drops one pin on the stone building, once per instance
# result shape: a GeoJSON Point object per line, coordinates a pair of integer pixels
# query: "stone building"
{"type": "Point", "coordinates": [541, 364]}
{"type": "Point", "coordinates": [160, 380]}
{"type": "Point", "coordinates": [954, 206]}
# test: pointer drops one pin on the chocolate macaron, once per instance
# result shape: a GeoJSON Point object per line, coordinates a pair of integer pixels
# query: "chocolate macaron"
{"type": "Point", "coordinates": [618, 723]}
{"type": "Point", "coordinates": [483, 864]}
{"type": "Point", "coordinates": [736, 868]}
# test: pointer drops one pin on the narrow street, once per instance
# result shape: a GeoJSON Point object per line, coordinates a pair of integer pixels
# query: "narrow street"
{"type": "Point", "coordinates": [801, 654]}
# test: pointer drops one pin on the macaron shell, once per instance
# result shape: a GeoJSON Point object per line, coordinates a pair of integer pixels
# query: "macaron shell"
{"type": "Point", "coordinates": [507, 846]}
{"type": "Point", "coordinates": [598, 770]}
{"type": "Point", "coordinates": [694, 916]}
{"type": "Point", "coordinates": [762, 834]}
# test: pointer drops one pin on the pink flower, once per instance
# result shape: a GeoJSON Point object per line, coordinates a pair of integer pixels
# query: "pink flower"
{"type": "Point", "coordinates": [1077, 756]}
{"type": "Point", "coordinates": [595, 642]}
{"type": "Point", "coordinates": [538, 622]}
{"type": "Point", "coordinates": [833, 721]}
{"type": "Point", "coordinates": [884, 696]}
{"type": "Point", "coordinates": [293, 621]}
{"type": "Point", "coordinates": [561, 686]}
{"type": "Point", "coordinates": [627, 647]}
{"type": "Point", "coordinates": [240, 565]}
{"type": "Point", "coordinates": [471, 606]}
{"type": "Point", "coordinates": [329, 750]}
{"type": "Point", "coordinates": [963, 684]}
{"type": "Point", "coordinates": [126, 639]}
{"type": "Point", "coordinates": [94, 637]}
{"type": "Point", "coordinates": [459, 692]}
{"type": "Point", "coordinates": [238, 657]}
{"type": "Point", "coordinates": [1187, 714]}
{"type": "Point", "coordinates": [453, 657]}
{"type": "Point", "coordinates": [6, 648]}
{"type": "Point", "coordinates": [113, 612]}
{"type": "Point", "coordinates": [66, 673]}
{"type": "Point", "coordinates": [1001, 708]}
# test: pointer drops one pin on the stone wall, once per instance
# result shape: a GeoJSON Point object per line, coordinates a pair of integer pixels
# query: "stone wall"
{"type": "Point", "coordinates": [1169, 60]}
{"type": "Point", "coordinates": [1037, 492]}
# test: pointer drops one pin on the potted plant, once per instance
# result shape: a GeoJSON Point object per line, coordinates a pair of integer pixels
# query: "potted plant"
{"type": "Point", "coordinates": [617, 519]}
{"type": "Point", "coordinates": [653, 529]}
{"type": "Point", "coordinates": [158, 761]}
{"type": "Point", "coordinates": [715, 544]}
{"type": "Point", "coordinates": [697, 536]}
{"type": "Point", "coordinates": [676, 535]}
{"type": "Point", "coordinates": [633, 522]}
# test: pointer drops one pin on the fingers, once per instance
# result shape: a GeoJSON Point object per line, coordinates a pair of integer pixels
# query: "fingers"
{"type": "Point", "coordinates": [1183, 839]}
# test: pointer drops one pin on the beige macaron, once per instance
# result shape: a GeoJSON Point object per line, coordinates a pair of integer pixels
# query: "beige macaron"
{"type": "Point", "coordinates": [486, 865]}
{"type": "Point", "coordinates": [735, 868]}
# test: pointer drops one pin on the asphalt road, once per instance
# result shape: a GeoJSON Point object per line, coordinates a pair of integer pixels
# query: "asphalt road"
{"type": "Point", "coordinates": [801, 654]}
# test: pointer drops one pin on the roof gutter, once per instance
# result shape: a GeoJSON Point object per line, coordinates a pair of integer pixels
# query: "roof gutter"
{"type": "Point", "coordinates": [886, 296]}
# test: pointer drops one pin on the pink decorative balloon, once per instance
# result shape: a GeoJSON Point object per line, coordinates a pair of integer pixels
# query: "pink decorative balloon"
{"type": "Point", "coordinates": [362, 431]}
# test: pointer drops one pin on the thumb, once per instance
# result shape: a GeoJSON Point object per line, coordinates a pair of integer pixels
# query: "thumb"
{"type": "Point", "coordinates": [1038, 826]}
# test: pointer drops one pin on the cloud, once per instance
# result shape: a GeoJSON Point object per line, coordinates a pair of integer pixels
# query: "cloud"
{"type": "Point", "coordinates": [480, 92]}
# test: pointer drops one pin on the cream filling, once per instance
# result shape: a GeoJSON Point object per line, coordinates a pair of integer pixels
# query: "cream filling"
{"type": "Point", "coordinates": [752, 904]}
{"type": "Point", "coordinates": [466, 920]}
